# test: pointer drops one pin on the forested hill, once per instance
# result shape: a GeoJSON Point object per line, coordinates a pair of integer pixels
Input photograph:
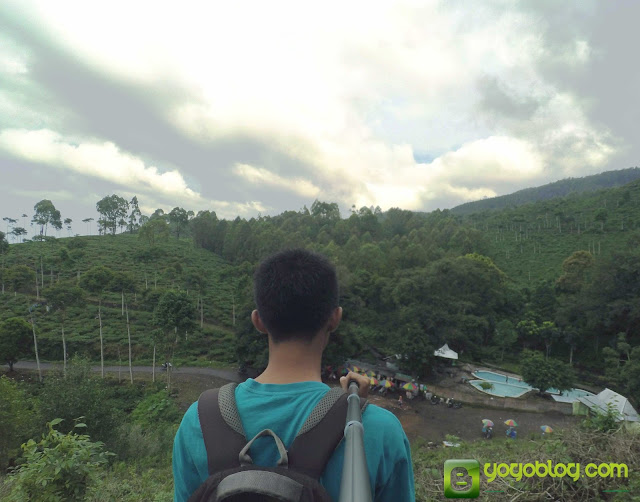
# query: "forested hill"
{"type": "Point", "coordinates": [560, 188]}
{"type": "Point", "coordinates": [485, 283]}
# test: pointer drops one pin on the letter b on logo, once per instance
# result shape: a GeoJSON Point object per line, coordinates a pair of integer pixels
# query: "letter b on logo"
{"type": "Point", "coordinates": [461, 479]}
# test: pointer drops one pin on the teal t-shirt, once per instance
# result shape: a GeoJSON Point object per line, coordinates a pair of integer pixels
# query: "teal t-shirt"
{"type": "Point", "coordinates": [283, 409]}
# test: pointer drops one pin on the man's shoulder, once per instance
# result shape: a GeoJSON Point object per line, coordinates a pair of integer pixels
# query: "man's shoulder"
{"type": "Point", "coordinates": [377, 416]}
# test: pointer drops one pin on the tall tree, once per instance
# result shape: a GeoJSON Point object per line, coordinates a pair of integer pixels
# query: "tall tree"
{"type": "Point", "coordinates": [112, 208]}
{"type": "Point", "coordinates": [67, 222]}
{"type": "Point", "coordinates": [61, 297]}
{"type": "Point", "coordinates": [88, 222]}
{"type": "Point", "coordinates": [179, 218]}
{"type": "Point", "coordinates": [14, 340]}
{"type": "Point", "coordinates": [125, 283]}
{"type": "Point", "coordinates": [97, 280]}
{"type": "Point", "coordinates": [154, 230]}
{"type": "Point", "coordinates": [174, 314]}
{"type": "Point", "coordinates": [135, 216]}
{"type": "Point", "coordinates": [19, 232]}
{"type": "Point", "coordinates": [4, 247]}
{"type": "Point", "coordinates": [46, 214]}
{"type": "Point", "coordinates": [10, 222]}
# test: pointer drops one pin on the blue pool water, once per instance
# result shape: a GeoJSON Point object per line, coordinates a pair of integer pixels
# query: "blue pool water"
{"type": "Point", "coordinates": [500, 389]}
{"type": "Point", "coordinates": [504, 386]}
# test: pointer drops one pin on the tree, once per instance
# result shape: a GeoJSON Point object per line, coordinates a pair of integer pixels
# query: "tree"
{"type": "Point", "coordinates": [173, 314]}
{"type": "Point", "coordinates": [10, 221]}
{"type": "Point", "coordinates": [61, 297]}
{"type": "Point", "coordinates": [4, 247]}
{"type": "Point", "coordinates": [88, 222]}
{"type": "Point", "coordinates": [113, 208]}
{"type": "Point", "coordinates": [179, 218]}
{"type": "Point", "coordinates": [506, 336]}
{"type": "Point", "coordinates": [135, 216]}
{"type": "Point", "coordinates": [97, 280]}
{"type": "Point", "coordinates": [601, 216]}
{"type": "Point", "coordinates": [544, 374]}
{"type": "Point", "coordinates": [19, 232]}
{"type": "Point", "coordinates": [46, 214]}
{"type": "Point", "coordinates": [14, 340]}
{"type": "Point", "coordinates": [67, 222]}
{"type": "Point", "coordinates": [20, 277]}
{"type": "Point", "coordinates": [125, 283]}
{"type": "Point", "coordinates": [154, 230]}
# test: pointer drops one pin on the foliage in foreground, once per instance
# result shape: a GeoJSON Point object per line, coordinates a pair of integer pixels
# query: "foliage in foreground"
{"type": "Point", "coordinates": [60, 467]}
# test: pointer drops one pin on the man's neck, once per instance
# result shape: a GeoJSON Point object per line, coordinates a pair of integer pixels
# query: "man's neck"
{"type": "Point", "coordinates": [291, 362]}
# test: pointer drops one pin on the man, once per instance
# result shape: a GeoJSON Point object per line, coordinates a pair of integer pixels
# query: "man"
{"type": "Point", "coordinates": [296, 294]}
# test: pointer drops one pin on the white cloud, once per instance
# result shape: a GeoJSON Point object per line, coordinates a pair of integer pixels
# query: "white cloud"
{"type": "Point", "coordinates": [263, 177]}
{"type": "Point", "coordinates": [353, 95]}
{"type": "Point", "coordinates": [104, 160]}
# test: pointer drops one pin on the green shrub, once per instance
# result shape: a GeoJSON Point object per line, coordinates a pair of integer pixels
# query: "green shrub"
{"type": "Point", "coordinates": [16, 420]}
{"type": "Point", "coordinates": [607, 422]}
{"type": "Point", "coordinates": [156, 409]}
{"type": "Point", "coordinates": [81, 394]}
{"type": "Point", "coordinates": [486, 385]}
{"type": "Point", "coordinates": [61, 467]}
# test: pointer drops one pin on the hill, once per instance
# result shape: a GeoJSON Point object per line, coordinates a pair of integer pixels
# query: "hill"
{"type": "Point", "coordinates": [530, 242]}
{"type": "Point", "coordinates": [609, 179]}
{"type": "Point", "coordinates": [170, 264]}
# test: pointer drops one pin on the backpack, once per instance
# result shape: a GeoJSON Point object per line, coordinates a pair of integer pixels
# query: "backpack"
{"type": "Point", "coordinates": [232, 475]}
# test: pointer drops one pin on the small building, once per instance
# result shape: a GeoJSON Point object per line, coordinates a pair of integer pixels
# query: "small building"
{"type": "Point", "coordinates": [600, 403]}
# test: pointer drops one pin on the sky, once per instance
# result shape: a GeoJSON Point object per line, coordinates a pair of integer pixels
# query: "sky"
{"type": "Point", "coordinates": [249, 108]}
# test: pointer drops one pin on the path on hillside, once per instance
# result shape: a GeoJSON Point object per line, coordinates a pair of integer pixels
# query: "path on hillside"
{"type": "Point", "coordinates": [227, 374]}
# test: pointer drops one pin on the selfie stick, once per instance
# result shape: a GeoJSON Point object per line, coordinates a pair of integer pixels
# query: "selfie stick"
{"type": "Point", "coordinates": [355, 485]}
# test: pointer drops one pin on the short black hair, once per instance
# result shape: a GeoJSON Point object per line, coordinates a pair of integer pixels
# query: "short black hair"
{"type": "Point", "coordinates": [295, 291]}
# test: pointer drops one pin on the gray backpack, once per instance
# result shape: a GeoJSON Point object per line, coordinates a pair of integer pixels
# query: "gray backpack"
{"type": "Point", "coordinates": [232, 475]}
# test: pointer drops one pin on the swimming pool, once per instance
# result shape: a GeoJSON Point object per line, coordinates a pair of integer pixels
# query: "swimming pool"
{"type": "Point", "coordinates": [504, 386]}
{"type": "Point", "coordinates": [497, 377]}
{"type": "Point", "coordinates": [500, 389]}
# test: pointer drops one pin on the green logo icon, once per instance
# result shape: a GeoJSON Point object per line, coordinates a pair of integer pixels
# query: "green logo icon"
{"type": "Point", "coordinates": [461, 479]}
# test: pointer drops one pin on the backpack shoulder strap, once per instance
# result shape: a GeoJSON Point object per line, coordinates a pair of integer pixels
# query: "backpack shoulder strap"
{"type": "Point", "coordinates": [321, 433]}
{"type": "Point", "coordinates": [221, 427]}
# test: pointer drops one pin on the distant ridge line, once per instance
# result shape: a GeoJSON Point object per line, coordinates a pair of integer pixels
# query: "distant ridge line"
{"type": "Point", "coordinates": [561, 188]}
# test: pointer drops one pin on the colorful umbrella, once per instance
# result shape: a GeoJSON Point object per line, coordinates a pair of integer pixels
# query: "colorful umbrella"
{"type": "Point", "coordinates": [344, 371]}
{"type": "Point", "coordinates": [374, 381]}
{"type": "Point", "coordinates": [510, 423]}
{"type": "Point", "coordinates": [355, 369]}
{"type": "Point", "coordinates": [371, 373]}
{"type": "Point", "coordinates": [487, 423]}
{"type": "Point", "coordinates": [410, 386]}
{"type": "Point", "coordinates": [546, 428]}
{"type": "Point", "coordinates": [387, 383]}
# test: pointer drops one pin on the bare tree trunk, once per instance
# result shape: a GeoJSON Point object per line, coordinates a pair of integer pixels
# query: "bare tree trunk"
{"type": "Point", "coordinates": [119, 366]}
{"type": "Point", "coordinates": [571, 356]}
{"type": "Point", "coordinates": [233, 308]}
{"type": "Point", "coordinates": [64, 351]}
{"type": "Point", "coordinates": [101, 341]}
{"type": "Point", "coordinates": [41, 273]}
{"type": "Point", "coordinates": [37, 290]}
{"type": "Point", "coordinates": [153, 367]}
{"type": "Point", "coordinates": [146, 282]}
{"type": "Point", "coordinates": [35, 346]}
{"type": "Point", "coordinates": [129, 336]}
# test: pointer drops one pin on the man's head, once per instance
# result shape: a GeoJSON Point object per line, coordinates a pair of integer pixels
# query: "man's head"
{"type": "Point", "coordinates": [296, 293]}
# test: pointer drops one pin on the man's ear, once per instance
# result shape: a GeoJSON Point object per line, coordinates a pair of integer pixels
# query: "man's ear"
{"type": "Point", "coordinates": [257, 322]}
{"type": "Point", "coordinates": [335, 319]}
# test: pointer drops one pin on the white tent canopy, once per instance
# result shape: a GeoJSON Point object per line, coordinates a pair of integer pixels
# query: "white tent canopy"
{"type": "Point", "coordinates": [445, 351]}
{"type": "Point", "coordinates": [619, 403]}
